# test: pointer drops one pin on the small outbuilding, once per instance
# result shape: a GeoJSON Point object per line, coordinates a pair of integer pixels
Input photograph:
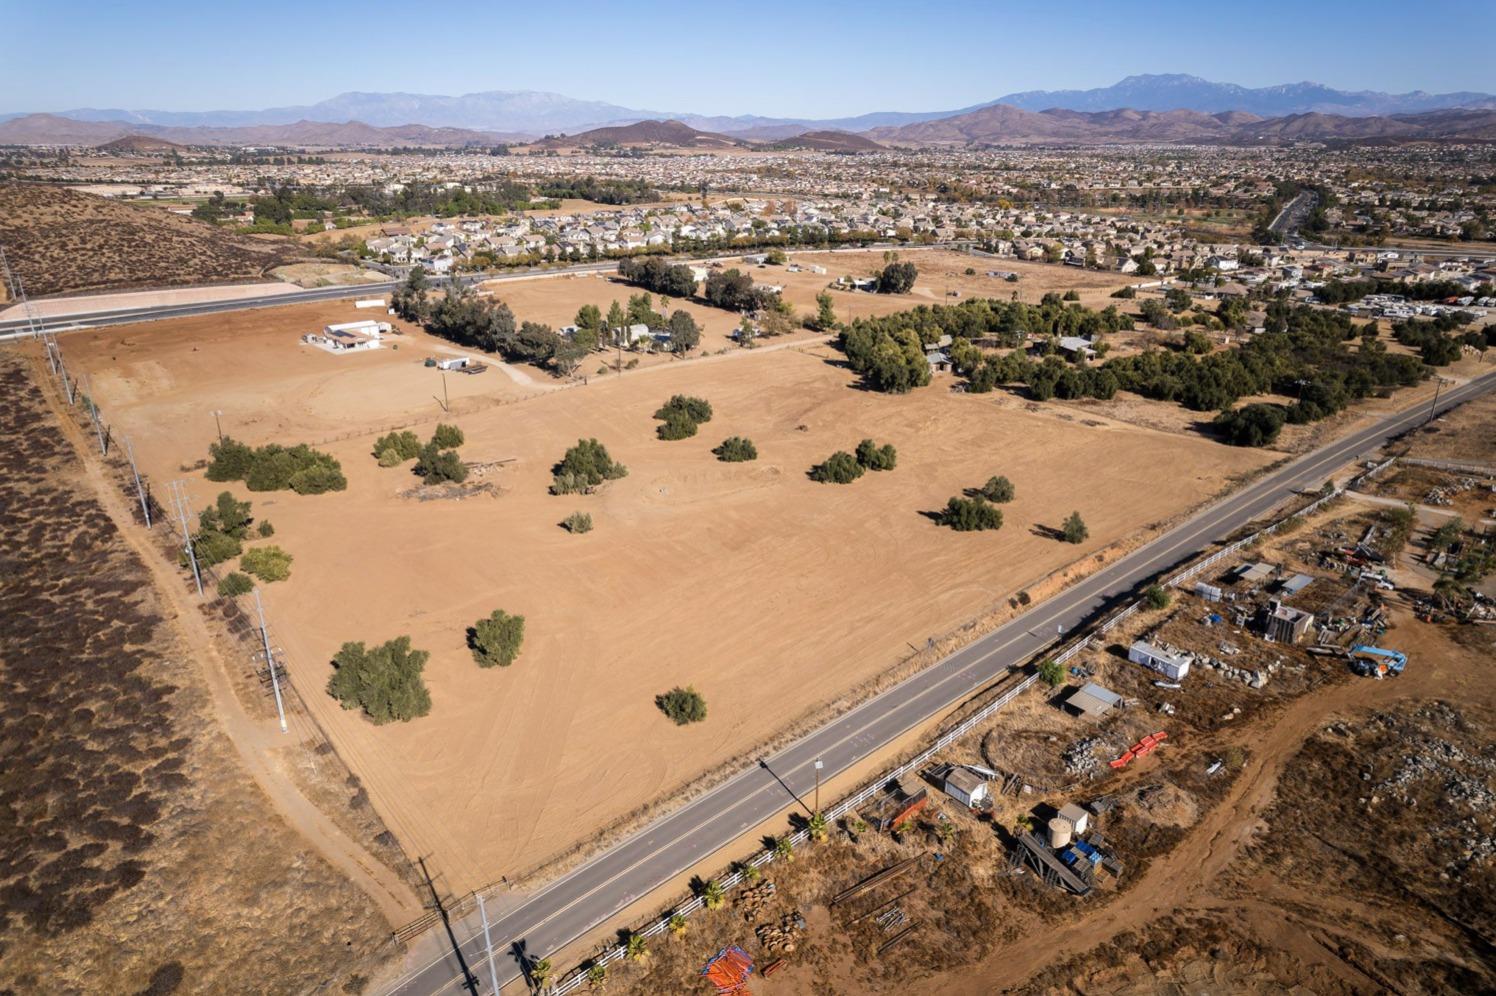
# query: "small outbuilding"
{"type": "Point", "coordinates": [1167, 662]}
{"type": "Point", "coordinates": [1092, 701]}
{"type": "Point", "coordinates": [966, 786]}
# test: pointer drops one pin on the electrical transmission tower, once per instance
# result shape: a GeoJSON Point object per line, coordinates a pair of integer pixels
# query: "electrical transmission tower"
{"type": "Point", "coordinates": [270, 653]}
{"type": "Point", "coordinates": [178, 492]}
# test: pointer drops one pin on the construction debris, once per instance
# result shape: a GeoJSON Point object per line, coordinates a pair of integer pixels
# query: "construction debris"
{"type": "Point", "coordinates": [779, 938]}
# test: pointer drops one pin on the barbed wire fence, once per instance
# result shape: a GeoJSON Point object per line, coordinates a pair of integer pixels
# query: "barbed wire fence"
{"type": "Point", "coordinates": [267, 662]}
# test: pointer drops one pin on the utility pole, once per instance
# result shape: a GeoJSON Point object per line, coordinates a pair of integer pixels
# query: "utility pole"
{"type": "Point", "coordinates": [219, 424]}
{"type": "Point", "coordinates": [93, 412]}
{"type": "Point", "coordinates": [818, 786]}
{"type": "Point", "coordinates": [145, 506]}
{"type": "Point", "coordinates": [1433, 405]}
{"type": "Point", "coordinates": [446, 404]}
{"type": "Point", "coordinates": [180, 499]}
{"type": "Point", "coordinates": [280, 708]}
{"type": "Point", "coordinates": [493, 975]}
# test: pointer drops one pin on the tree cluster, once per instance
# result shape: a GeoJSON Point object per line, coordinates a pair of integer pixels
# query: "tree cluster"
{"type": "Point", "coordinates": [681, 415]}
{"type": "Point", "coordinates": [897, 278]}
{"type": "Point", "coordinates": [221, 530]}
{"type": "Point", "coordinates": [655, 274]}
{"type": "Point", "coordinates": [733, 290]}
{"type": "Point", "coordinates": [275, 468]}
{"type": "Point", "coordinates": [970, 514]}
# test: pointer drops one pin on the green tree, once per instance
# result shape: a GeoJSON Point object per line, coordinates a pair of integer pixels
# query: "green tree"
{"type": "Point", "coordinates": [268, 563]}
{"type": "Point", "coordinates": [1251, 425]}
{"type": "Point", "coordinates": [578, 522]}
{"type": "Point", "coordinates": [684, 334]}
{"type": "Point", "coordinates": [682, 705]}
{"type": "Point", "coordinates": [713, 895]}
{"type": "Point", "coordinates": [439, 466]}
{"type": "Point", "coordinates": [1051, 672]}
{"type": "Point", "coordinates": [970, 515]}
{"type": "Point", "coordinates": [1156, 597]}
{"type": "Point", "coordinates": [875, 457]}
{"type": "Point", "coordinates": [825, 319]}
{"type": "Point", "coordinates": [234, 584]}
{"type": "Point", "coordinates": [496, 640]}
{"type": "Point", "coordinates": [897, 278]}
{"type": "Point", "coordinates": [617, 321]}
{"type": "Point", "coordinates": [590, 318]}
{"type": "Point", "coordinates": [784, 850]}
{"type": "Point", "coordinates": [447, 437]}
{"type": "Point", "coordinates": [736, 449]}
{"type": "Point", "coordinates": [1074, 529]}
{"type": "Point", "coordinates": [395, 448]}
{"type": "Point", "coordinates": [839, 468]}
{"type": "Point", "coordinates": [998, 489]}
{"type": "Point", "coordinates": [584, 468]}
{"type": "Point", "coordinates": [817, 825]}
{"type": "Point", "coordinates": [384, 682]}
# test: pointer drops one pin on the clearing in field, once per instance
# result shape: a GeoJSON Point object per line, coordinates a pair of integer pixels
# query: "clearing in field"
{"type": "Point", "coordinates": [771, 594]}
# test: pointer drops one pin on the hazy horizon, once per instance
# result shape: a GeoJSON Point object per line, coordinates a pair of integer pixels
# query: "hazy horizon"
{"type": "Point", "coordinates": [838, 60]}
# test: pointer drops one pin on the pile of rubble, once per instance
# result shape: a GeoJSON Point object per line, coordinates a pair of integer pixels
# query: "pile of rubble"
{"type": "Point", "coordinates": [1444, 494]}
{"type": "Point", "coordinates": [1251, 677]}
{"type": "Point", "coordinates": [1080, 757]}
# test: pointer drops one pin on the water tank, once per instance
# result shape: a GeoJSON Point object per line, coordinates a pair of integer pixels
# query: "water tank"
{"type": "Point", "coordinates": [1059, 832]}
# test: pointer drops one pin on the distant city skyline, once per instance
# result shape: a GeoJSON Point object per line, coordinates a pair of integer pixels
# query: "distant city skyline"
{"type": "Point", "coordinates": [770, 58]}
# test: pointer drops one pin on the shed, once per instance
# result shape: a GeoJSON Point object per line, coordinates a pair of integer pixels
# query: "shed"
{"type": "Point", "coordinates": [1252, 573]}
{"type": "Point", "coordinates": [1296, 584]}
{"type": "Point", "coordinates": [966, 786]}
{"type": "Point", "coordinates": [1092, 701]}
{"type": "Point", "coordinates": [1286, 624]}
{"type": "Point", "coordinates": [1076, 816]}
{"type": "Point", "coordinates": [1169, 663]}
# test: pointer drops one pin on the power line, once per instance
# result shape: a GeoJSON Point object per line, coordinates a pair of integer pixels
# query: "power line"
{"type": "Point", "coordinates": [270, 660]}
{"type": "Point", "coordinates": [179, 498]}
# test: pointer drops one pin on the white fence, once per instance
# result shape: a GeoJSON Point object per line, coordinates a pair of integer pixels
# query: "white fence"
{"type": "Point", "coordinates": [1459, 468]}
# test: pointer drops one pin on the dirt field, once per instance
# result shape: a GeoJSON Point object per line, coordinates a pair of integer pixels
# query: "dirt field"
{"type": "Point", "coordinates": [136, 853]}
{"type": "Point", "coordinates": [61, 241]}
{"type": "Point", "coordinates": [690, 557]}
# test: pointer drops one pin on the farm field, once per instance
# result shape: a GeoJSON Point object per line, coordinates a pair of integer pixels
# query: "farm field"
{"type": "Point", "coordinates": [136, 848]}
{"type": "Point", "coordinates": [771, 594]}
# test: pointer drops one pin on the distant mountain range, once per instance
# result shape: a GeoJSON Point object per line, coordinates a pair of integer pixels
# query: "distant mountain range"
{"type": "Point", "coordinates": [537, 113]}
{"type": "Point", "coordinates": [53, 129]}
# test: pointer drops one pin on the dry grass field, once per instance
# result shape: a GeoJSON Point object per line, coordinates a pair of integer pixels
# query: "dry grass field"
{"type": "Point", "coordinates": [771, 594]}
{"type": "Point", "coordinates": [136, 852]}
{"type": "Point", "coordinates": [61, 241]}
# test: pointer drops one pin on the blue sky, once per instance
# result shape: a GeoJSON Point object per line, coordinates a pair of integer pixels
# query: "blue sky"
{"type": "Point", "coordinates": [802, 59]}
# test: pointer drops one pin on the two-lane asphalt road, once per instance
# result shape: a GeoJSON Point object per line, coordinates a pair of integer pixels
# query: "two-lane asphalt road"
{"type": "Point", "coordinates": [589, 895]}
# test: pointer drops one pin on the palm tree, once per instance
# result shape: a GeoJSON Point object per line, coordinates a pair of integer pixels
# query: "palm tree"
{"type": "Point", "coordinates": [540, 972]}
{"type": "Point", "coordinates": [677, 925]}
{"type": "Point", "coordinates": [597, 978]}
{"type": "Point", "coordinates": [752, 873]}
{"type": "Point", "coordinates": [636, 947]}
{"type": "Point", "coordinates": [817, 826]}
{"type": "Point", "coordinates": [784, 849]}
{"type": "Point", "coordinates": [713, 894]}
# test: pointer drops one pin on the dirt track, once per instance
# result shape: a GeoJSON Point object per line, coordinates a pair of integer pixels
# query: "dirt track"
{"type": "Point", "coordinates": [1186, 878]}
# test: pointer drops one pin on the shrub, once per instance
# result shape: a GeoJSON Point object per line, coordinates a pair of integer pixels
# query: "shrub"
{"type": "Point", "coordinates": [234, 584]}
{"type": "Point", "coordinates": [840, 468]}
{"type": "Point", "coordinates": [1051, 672]}
{"type": "Point", "coordinates": [578, 522]}
{"type": "Point", "coordinates": [226, 515]}
{"type": "Point", "coordinates": [438, 466]}
{"type": "Point", "coordinates": [682, 705]}
{"type": "Point", "coordinates": [1156, 597]}
{"type": "Point", "coordinates": [698, 410]}
{"type": "Point", "coordinates": [1251, 425]}
{"type": "Point", "coordinates": [214, 548]}
{"type": "Point", "coordinates": [497, 639]}
{"type": "Point", "coordinates": [585, 466]}
{"type": "Point", "coordinates": [998, 489]}
{"type": "Point", "coordinates": [266, 530]}
{"type": "Point", "coordinates": [677, 425]}
{"type": "Point", "coordinates": [395, 448]}
{"type": "Point", "coordinates": [1126, 293]}
{"type": "Point", "coordinates": [967, 515]}
{"type": "Point", "coordinates": [736, 449]}
{"type": "Point", "coordinates": [384, 682]}
{"type": "Point", "coordinates": [1074, 530]}
{"type": "Point", "coordinates": [447, 437]}
{"type": "Point", "coordinates": [268, 563]}
{"type": "Point", "coordinates": [875, 457]}
{"type": "Point", "coordinates": [276, 468]}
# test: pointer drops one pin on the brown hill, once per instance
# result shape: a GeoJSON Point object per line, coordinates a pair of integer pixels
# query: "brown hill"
{"type": "Point", "coordinates": [671, 134]}
{"type": "Point", "coordinates": [50, 129]}
{"type": "Point", "coordinates": [146, 144]}
{"type": "Point", "coordinates": [1000, 124]}
{"type": "Point", "coordinates": [62, 241]}
{"type": "Point", "coordinates": [829, 141]}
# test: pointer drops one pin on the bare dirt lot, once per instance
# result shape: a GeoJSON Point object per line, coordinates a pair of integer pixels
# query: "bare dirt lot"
{"type": "Point", "coordinates": [748, 580]}
{"type": "Point", "coordinates": [61, 241]}
{"type": "Point", "coordinates": [136, 853]}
